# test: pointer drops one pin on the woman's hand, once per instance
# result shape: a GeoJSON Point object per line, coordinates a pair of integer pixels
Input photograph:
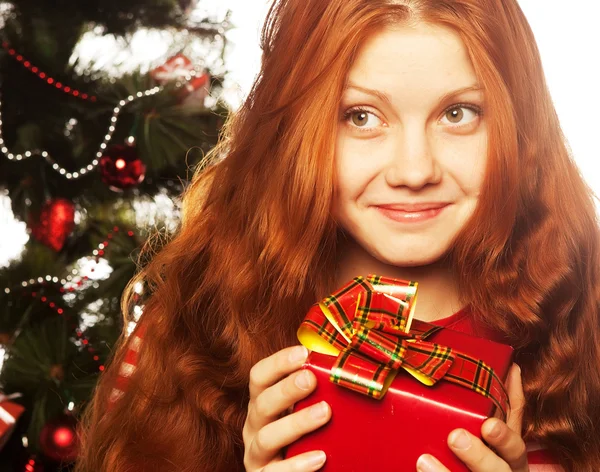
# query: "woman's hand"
{"type": "Point", "coordinates": [275, 385]}
{"type": "Point", "coordinates": [505, 438]}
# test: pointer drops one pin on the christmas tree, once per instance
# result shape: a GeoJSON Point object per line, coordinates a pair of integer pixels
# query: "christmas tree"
{"type": "Point", "coordinates": [93, 155]}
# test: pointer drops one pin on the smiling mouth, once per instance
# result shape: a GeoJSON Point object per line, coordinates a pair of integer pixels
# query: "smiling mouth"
{"type": "Point", "coordinates": [413, 207]}
{"type": "Point", "coordinates": [411, 213]}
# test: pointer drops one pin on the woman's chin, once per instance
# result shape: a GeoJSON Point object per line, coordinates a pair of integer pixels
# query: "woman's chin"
{"type": "Point", "coordinates": [413, 258]}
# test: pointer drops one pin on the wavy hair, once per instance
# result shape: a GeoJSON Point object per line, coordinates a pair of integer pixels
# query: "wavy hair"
{"type": "Point", "coordinates": [257, 245]}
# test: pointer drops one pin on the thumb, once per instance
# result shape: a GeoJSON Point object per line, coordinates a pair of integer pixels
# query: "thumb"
{"type": "Point", "coordinates": [516, 398]}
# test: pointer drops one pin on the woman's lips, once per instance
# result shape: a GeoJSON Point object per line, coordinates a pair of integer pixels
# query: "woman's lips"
{"type": "Point", "coordinates": [404, 216]}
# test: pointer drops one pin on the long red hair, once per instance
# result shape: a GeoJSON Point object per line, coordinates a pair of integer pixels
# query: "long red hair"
{"type": "Point", "coordinates": [257, 245]}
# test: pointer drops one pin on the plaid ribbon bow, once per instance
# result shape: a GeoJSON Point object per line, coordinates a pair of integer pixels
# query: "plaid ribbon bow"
{"type": "Point", "coordinates": [368, 324]}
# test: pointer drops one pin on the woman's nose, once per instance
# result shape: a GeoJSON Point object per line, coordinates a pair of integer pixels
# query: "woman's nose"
{"type": "Point", "coordinates": [413, 163]}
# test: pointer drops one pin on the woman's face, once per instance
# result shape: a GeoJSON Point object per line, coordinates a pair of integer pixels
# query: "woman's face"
{"type": "Point", "coordinates": [412, 144]}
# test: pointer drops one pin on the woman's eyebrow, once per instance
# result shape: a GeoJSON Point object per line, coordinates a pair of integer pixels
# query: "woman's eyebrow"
{"type": "Point", "coordinates": [384, 97]}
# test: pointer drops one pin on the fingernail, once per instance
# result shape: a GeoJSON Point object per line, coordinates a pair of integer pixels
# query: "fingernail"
{"type": "Point", "coordinates": [460, 439]}
{"type": "Point", "coordinates": [315, 460]}
{"type": "Point", "coordinates": [299, 353]}
{"type": "Point", "coordinates": [495, 430]}
{"type": "Point", "coordinates": [319, 410]}
{"type": "Point", "coordinates": [427, 463]}
{"type": "Point", "coordinates": [302, 380]}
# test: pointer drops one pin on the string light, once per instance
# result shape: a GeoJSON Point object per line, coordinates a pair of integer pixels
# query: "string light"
{"type": "Point", "coordinates": [73, 175]}
{"type": "Point", "coordinates": [42, 75]}
{"type": "Point", "coordinates": [70, 280]}
{"type": "Point", "coordinates": [69, 126]}
{"type": "Point", "coordinates": [92, 165]}
{"type": "Point", "coordinates": [68, 284]}
{"type": "Point", "coordinates": [31, 463]}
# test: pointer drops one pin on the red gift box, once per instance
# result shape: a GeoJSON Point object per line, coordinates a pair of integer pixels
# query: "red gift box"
{"type": "Point", "coordinates": [410, 418]}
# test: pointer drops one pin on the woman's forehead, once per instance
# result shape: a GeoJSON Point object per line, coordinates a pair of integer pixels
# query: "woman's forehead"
{"type": "Point", "coordinates": [413, 63]}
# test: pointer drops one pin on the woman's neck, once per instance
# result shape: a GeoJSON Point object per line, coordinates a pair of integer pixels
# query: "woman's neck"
{"type": "Point", "coordinates": [438, 295]}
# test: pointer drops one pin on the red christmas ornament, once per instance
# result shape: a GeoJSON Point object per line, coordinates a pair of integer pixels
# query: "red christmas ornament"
{"type": "Point", "coordinates": [195, 91]}
{"type": "Point", "coordinates": [56, 221]}
{"type": "Point", "coordinates": [58, 439]}
{"type": "Point", "coordinates": [175, 68]}
{"type": "Point", "coordinates": [121, 168]}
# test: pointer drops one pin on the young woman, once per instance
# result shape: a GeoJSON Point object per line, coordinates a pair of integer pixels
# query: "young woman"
{"type": "Point", "coordinates": [414, 139]}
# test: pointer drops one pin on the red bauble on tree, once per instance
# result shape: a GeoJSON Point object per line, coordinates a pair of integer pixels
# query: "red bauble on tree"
{"type": "Point", "coordinates": [175, 68]}
{"type": "Point", "coordinates": [121, 167]}
{"type": "Point", "coordinates": [58, 439]}
{"type": "Point", "coordinates": [194, 92]}
{"type": "Point", "coordinates": [55, 223]}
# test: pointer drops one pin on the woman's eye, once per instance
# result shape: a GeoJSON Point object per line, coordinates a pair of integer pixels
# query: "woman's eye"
{"type": "Point", "coordinates": [360, 118]}
{"type": "Point", "coordinates": [461, 115]}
